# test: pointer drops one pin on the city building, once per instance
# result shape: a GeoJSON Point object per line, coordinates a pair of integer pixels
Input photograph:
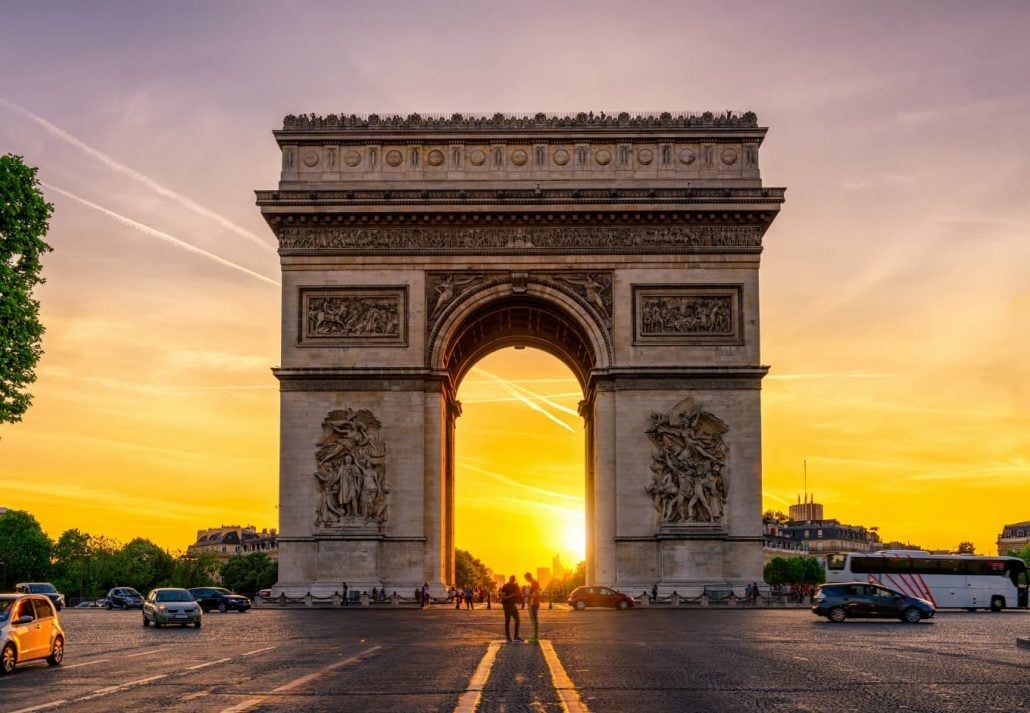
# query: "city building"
{"type": "Point", "coordinates": [1014, 537]}
{"type": "Point", "coordinates": [231, 540]}
{"type": "Point", "coordinates": [808, 532]}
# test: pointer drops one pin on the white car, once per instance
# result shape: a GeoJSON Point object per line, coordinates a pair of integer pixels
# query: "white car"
{"type": "Point", "coordinates": [171, 605]}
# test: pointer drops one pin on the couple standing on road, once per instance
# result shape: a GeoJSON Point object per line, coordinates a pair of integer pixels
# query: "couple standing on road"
{"type": "Point", "coordinates": [511, 595]}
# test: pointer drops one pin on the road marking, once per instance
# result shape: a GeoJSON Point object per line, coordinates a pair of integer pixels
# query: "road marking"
{"type": "Point", "coordinates": [41, 707]}
{"type": "Point", "coordinates": [209, 663]}
{"type": "Point", "coordinates": [194, 696]}
{"type": "Point", "coordinates": [298, 682]}
{"type": "Point", "coordinates": [563, 685]}
{"type": "Point", "coordinates": [80, 665]}
{"type": "Point", "coordinates": [469, 700]}
{"type": "Point", "coordinates": [258, 651]}
{"type": "Point", "coordinates": [120, 687]}
{"type": "Point", "coordinates": [147, 653]}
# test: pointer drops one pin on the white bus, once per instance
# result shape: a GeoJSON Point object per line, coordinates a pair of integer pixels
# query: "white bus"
{"type": "Point", "coordinates": [966, 581]}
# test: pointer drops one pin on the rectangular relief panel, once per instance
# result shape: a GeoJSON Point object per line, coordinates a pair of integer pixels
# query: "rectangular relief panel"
{"type": "Point", "coordinates": [353, 316]}
{"type": "Point", "coordinates": [687, 314]}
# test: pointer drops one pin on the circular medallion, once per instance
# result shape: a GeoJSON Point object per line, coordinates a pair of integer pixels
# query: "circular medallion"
{"type": "Point", "coordinates": [477, 158]}
{"type": "Point", "coordinates": [688, 156]}
{"type": "Point", "coordinates": [435, 158]}
{"type": "Point", "coordinates": [645, 156]}
{"type": "Point", "coordinates": [561, 157]}
{"type": "Point", "coordinates": [310, 159]}
{"type": "Point", "coordinates": [603, 157]}
{"type": "Point", "coordinates": [519, 157]}
{"type": "Point", "coordinates": [352, 158]}
{"type": "Point", "coordinates": [394, 158]}
{"type": "Point", "coordinates": [729, 156]}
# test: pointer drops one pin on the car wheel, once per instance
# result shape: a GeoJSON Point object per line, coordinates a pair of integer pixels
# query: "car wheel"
{"type": "Point", "coordinates": [581, 605]}
{"type": "Point", "coordinates": [911, 615]}
{"type": "Point", "coordinates": [108, 606]}
{"type": "Point", "coordinates": [8, 659]}
{"type": "Point", "coordinates": [837, 615]}
{"type": "Point", "coordinates": [57, 653]}
{"type": "Point", "coordinates": [196, 624]}
{"type": "Point", "coordinates": [222, 607]}
{"type": "Point", "coordinates": [622, 605]}
{"type": "Point", "coordinates": [157, 624]}
{"type": "Point", "coordinates": [146, 622]}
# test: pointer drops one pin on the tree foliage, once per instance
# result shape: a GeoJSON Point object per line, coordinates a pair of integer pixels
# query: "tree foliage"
{"type": "Point", "coordinates": [143, 565]}
{"type": "Point", "coordinates": [965, 548]}
{"type": "Point", "coordinates": [24, 221]}
{"type": "Point", "coordinates": [777, 515]}
{"type": "Point", "coordinates": [1023, 554]}
{"type": "Point", "coordinates": [470, 571]}
{"type": "Point", "coordinates": [250, 573]}
{"type": "Point", "coordinates": [793, 570]}
{"type": "Point", "coordinates": [24, 549]}
{"type": "Point", "coordinates": [196, 569]}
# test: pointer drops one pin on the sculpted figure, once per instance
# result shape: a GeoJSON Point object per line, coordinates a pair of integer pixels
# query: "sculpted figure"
{"type": "Point", "coordinates": [351, 470]}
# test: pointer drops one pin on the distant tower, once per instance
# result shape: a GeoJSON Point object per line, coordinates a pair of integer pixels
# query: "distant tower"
{"type": "Point", "coordinates": [557, 570]}
{"type": "Point", "coordinates": [806, 511]}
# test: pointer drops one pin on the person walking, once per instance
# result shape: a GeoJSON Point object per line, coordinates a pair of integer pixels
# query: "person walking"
{"type": "Point", "coordinates": [510, 596]}
{"type": "Point", "coordinates": [534, 607]}
{"type": "Point", "coordinates": [425, 595]}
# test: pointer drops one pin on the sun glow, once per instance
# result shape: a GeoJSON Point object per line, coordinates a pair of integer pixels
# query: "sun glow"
{"type": "Point", "coordinates": [519, 493]}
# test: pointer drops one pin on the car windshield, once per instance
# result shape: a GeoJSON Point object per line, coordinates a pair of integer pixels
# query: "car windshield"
{"type": "Point", "coordinates": [221, 590]}
{"type": "Point", "coordinates": [42, 589]}
{"type": "Point", "coordinates": [171, 595]}
{"type": "Point", "coordinates": [131, 592]}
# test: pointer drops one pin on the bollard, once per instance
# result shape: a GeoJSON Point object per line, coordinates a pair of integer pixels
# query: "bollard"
{"type": "Point", "coordinates": [675, 599]}
{"type": "Point", "coordinates": [364, 599]}
{"type": "Point", "coordinates": [644, 599]}
{"type": "Point", "coordinates": [307, 599]}
{"type": "Point", "coordinates": [336, 599]}
{"type": "Point", "coordinates": [394, 599]}
{"type": "Point", "coordinates": [704, 599]}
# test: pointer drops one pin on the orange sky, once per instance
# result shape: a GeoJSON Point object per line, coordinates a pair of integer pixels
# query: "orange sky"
{"type": "Point", "coordinates": [894, 300]}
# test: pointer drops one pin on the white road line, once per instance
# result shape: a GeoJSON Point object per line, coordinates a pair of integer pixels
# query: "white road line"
{"type": "Point", "coordinates": [298, 682]}
{"type": "Point", "coordinates": [80, 665]}
{"type": "Point", "coordinates": [120, 687]}
{"type": "Point", "coordinates": [258, 651]}
{"type": "Point", "coordinates": [41, 707]}
{"type": "Point", "coordinates": [563, 685]}
{"type": "Point", "coordinates": [209, 663]}
{"type": "Point", "coordinates": [469, 700]}
{"type": "Point", "coordinates": [147, 653]}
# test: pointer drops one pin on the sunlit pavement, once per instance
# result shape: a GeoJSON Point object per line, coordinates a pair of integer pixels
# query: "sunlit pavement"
{"type": "Point", "coordinates": [443, 659]}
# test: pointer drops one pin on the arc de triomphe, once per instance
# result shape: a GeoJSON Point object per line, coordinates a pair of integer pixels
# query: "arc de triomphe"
{"type": "Point", "coordinates": [626, 246]}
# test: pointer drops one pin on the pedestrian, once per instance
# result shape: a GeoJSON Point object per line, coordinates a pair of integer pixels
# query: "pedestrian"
{"type": "Point", "coordinates": [425, 594]}
{"type": "Point", "coordinates": [418, 596]}
{"type": "Point", "coordinates": [654, 593]}
{"type": "Point", "coordinates": [344, 594]}
{"type": "Point", "coordinates": [468, 598]}
{"type": "Point", "coordinates": [534, 607]}
{"type": "Point", "coordinates": [510, 596]}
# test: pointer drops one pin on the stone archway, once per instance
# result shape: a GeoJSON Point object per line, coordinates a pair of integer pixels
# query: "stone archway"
{"type": "Point", "coordinates": [628, 247]}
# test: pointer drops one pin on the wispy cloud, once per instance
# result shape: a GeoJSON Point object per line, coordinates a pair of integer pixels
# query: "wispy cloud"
{"type": "Point", "coordinates": [136, 175]}
{"type": "Point", "coordinates": [160, 235]}
{"type": "Point", "coordinates": [507, 480]}
{"type": "Point", "coordinates": [530, 398]}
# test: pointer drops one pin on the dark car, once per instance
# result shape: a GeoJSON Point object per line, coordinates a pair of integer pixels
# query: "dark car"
{"type": "Point", "coordinates": [583, 597]}
{"type": "Point", "coordinates": [838, 602]}
{"type": "Point", "coordinates": [124, 598]}
{"type": "Point", "coordinates": [219, 598]}
{"type": "Point", "coordinates": [44, 588]}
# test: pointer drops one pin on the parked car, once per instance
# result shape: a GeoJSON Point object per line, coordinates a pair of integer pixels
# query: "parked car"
{"type": "Point", "coordinates": [123, 598]}
{"type": "Point", "coordinates": [220, 598]}
{"type": "Point", "coordinates": [29, 630]}
{"type": "Point", "coordinates": [44, 588]}
{"type": "Point", "coordinates": [170, 605]}
{"type": "Point", "coordinates": [583, 597]}
{"type": "Point", "coordinates": [838, 602]}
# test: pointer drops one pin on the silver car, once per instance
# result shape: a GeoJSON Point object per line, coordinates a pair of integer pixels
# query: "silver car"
{"type": "Point", "coordinates": [171, 605]}
{"type": "Point", "coordinates": [29, 631]}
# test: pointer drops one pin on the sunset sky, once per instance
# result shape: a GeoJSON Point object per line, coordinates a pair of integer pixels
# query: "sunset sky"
{"type": "Point", "coordinates": [895, 284]}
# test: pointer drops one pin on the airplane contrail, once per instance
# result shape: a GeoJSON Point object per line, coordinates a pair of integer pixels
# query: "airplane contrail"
{"type": "Point", "coordinates": [145, 180]}
{"type": "Point", "coordinates": [153, 232]}
{"type": "Point", "coordinates": [516, 391]}
{"type": "Point", "coordinates": [539, 397]}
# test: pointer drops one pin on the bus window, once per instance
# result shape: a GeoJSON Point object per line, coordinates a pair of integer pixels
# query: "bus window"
{"type": "Point", "coordinates": [836, 561]}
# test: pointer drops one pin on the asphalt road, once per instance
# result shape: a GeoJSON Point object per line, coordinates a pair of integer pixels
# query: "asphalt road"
{"type": "Point", "coordinates": [457, 661]}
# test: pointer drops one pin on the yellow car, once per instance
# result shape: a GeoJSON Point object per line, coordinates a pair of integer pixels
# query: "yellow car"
{"type": "Point", "coordinates": [29, 631]}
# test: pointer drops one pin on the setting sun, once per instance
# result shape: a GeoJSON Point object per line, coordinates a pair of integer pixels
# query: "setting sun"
{"type": "Point", "coordinates": [519, 472]}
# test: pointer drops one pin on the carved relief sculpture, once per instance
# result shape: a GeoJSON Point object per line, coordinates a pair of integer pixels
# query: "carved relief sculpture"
{"type": "Point", "coordinates": [595, 288]}
{"type": "Point", "coordinates": [688, 465]}
{"type": "Point", "coordinates": [351, 471]}
{"type": "Point", "coordinates": [684, 314]}
{"type": "Point", "coordinates": [352, 317]}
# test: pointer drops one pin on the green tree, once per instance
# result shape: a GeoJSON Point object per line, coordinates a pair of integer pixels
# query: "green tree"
{"type": "Point", "coordinates": [470, 571]}
{"type": "Point", "coordinates": [777, 515]}
{"type": "Point", "coordinates": [24, 549]}
{"type": "Point", "coordinates": [965, 548]}
{"type": "Point", "coordinates": [1024, 554]}
{"type": "Point", "coordinates": [793, 570]}
{"type": "Point", "coordinates": [143, 565]}
{"type": "Point", "coordinates": [250, 573]}
{"type": "Point", "coordinates": [24, 220]}
{"type": "Point", "coordinates": [196, 569]}
{"type": "Point", "coordinates": [70, 562]}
